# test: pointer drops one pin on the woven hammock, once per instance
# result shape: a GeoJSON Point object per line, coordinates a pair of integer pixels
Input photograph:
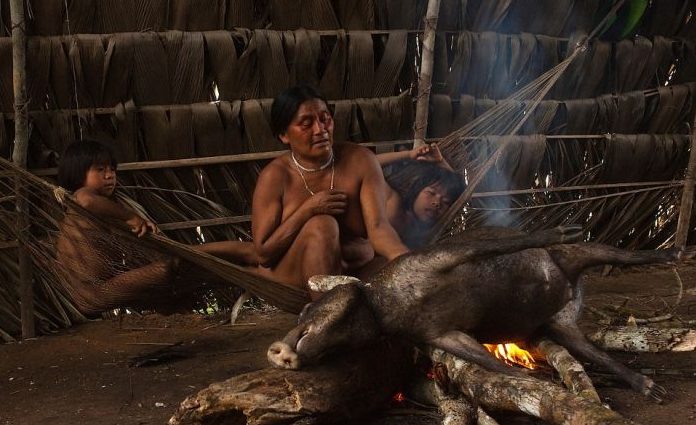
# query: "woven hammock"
{"type": "Point", "coordinates": [90, 275]}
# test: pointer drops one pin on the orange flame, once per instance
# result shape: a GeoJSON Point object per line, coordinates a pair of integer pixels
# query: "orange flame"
{"type": "Point", "coordinates": [512, 354]}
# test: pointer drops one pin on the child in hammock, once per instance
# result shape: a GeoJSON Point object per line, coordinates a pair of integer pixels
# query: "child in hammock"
{"type": "Point", "coordinates": [422, 186]}
{"type": "Point", "coordinates": [106, 272]}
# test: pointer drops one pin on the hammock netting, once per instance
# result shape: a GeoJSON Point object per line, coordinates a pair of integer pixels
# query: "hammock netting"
{"type": "Point", "coordinates": [100, 265]}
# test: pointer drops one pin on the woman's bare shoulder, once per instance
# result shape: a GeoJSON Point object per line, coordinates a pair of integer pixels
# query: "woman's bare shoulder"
{"type": "Point", "coordinates": [355, 154]}
{"type": "Point", "coordinates": [278, 168]}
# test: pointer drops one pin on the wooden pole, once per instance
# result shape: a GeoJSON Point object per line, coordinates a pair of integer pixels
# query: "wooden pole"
{"type": "Point", "coordinates": [426, 73]}
{"type": "Point", "coordinates": [19, 157]}
{"type": "Point", "coordinates": [687, 200]}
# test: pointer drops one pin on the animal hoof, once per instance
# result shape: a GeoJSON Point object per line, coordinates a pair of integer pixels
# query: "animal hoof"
{"type": "Point", "coordinates": [569, 233]}
{"type": "Point", "coordinates": [656, 392]}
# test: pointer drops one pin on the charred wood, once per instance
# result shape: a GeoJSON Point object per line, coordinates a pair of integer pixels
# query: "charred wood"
{"type": "Point", "coordinates": [543, 400]}
{"type": "Point", "coordinates": [346, 388]}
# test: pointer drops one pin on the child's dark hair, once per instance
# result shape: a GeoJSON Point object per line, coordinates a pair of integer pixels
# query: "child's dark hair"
{"type": "Point", "coordinates": [286, 104]}
{"type": "Point", "coordinates": [78, 157]}
{"type": "Point", "coordinates": [409, 178]}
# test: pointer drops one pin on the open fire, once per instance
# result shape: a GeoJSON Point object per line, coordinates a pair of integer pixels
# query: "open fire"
{"type": "Point", "coordinates": [512, 354]}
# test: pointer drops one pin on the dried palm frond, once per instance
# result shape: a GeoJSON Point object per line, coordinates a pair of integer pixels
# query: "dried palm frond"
{"type": "Point", "coordinates": [115, 16]}
{"type": "Point", "coordinates": [196, 15]}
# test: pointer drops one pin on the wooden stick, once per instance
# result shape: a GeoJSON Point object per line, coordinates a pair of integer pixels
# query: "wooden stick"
{"type": "Point", "coordinates": [19, 157]}
{"type": "Point", "coordinates": [192, 224]}
{"type": "Point", "coordinates": [210, 160]}
{"type": "Point", "coordinates": [687, 200]}
{"type": "Point", "coordinates": [259, 156]}
{"type": "Point", "coordinates": [485, 419]}
{"type": "Point", "coordinates": [572, 373]}
{"type": "Point", "coordinates": [541, 399]}
{"type": "Point", "coordinates": [234, 314]}
{"type": "Point", "coordinates": [426, 72]}
{"type": "Point", "coordinates": [643, 339]}
{"type": "Point", "coordinates": [455, 408]}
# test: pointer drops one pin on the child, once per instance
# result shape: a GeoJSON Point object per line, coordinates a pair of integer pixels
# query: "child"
{"type": "Point", "coordinates": [106, 272]}
{"type": "Point", "coordinates": [422, 187]}
{"type": "Point", "coordinates": [88, 170]}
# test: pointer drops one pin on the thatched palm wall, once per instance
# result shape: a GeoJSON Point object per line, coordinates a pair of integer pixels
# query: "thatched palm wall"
{"type": "Point", "coordinates": [177, 79]}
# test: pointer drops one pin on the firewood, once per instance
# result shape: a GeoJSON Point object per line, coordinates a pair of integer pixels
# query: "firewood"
{"type": "Point", "coordinates": [544, 400]}
{"type": "Point", "coordinates": [350, 386]}
{"type": "Point", "coordinates": [572, 373]}
{"type": "Point", "coordinates": [451, 403]}
{"type": "Point", "coordinates": [456, 410]}
{"type": "Point", "coordinates": [644, 339]}
{"type": "Point", "coordinates": [484, 419]}
{"type": "Point", "coordinates": [453, 406]}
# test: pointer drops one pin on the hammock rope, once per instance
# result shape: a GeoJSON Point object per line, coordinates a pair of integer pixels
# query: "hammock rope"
{"type": "Point", "coordinates": [51, 207]}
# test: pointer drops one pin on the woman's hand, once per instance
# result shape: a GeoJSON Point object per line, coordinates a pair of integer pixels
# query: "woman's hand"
{"type": "Point", "coordinates": [331, 202]}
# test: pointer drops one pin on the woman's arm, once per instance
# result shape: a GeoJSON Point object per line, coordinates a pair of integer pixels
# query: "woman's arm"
{"type": "Point", "coordinates": [273, 236]}
{"type": "Point", "coordinates": [373, 194]}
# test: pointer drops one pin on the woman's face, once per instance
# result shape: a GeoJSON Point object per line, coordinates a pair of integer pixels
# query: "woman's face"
{"type": "Point", "coordinates": [431, 203]}
{"type": "Point", "coordinates": [310, 133]}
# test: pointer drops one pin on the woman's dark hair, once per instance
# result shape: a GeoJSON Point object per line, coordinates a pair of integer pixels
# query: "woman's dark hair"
{"type": "Point", "coordinates": [77, 159]}
{"type": "Point", "coordinates": [409, 178]}
{"type": "Point", "coordinates": [286, 104]}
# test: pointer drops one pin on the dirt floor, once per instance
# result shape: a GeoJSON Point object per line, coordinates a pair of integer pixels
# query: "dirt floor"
{"type": "Point", "coordinates": [85, 374]}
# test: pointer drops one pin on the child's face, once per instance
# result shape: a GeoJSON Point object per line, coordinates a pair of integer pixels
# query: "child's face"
{"type": "Point", "coordinates": [101, 179]}
{"type": "Point", "coordinates": [431, 203]}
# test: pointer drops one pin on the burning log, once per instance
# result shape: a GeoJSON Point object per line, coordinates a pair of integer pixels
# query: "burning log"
{"type": "Point", "coordinates": [543, 400]}
{"type": "Point", "coordinates": [572, 373]}
{"type": "Point", "coordinates": [350, 386]}
{"type": "Point", "coordinates": [643, 339]}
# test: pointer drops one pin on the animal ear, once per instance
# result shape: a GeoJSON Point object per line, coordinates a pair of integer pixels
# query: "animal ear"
{"type": "Point", "coordinates": [339, 301]}
{"type": "Point", "coordinates": [303, 312]}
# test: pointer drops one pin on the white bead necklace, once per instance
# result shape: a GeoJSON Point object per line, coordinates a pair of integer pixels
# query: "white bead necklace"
{"type": "Point", "coordinates": [310, 170]}
{"type": "Point", "coordinates": [313, 170]}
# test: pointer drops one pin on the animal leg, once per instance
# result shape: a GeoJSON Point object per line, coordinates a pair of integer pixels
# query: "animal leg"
{"type": "Point", "coordinates": [570, 337]}
{"type": "Point", "coordinates": [467, 348]}
{"type": "Point", "coordinates": [449, 255]}
{"type": "Point", "coordinates": [573, 259]}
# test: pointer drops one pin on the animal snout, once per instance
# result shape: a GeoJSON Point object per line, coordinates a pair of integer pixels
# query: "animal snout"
{"type": "Point", "coordinates": [283, 356]}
